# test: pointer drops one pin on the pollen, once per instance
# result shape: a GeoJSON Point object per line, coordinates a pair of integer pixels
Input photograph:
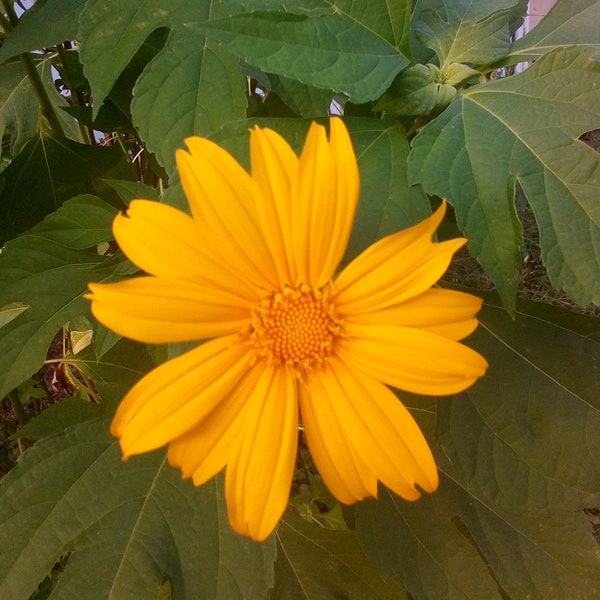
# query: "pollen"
{"type": "Point", "coordinates": [296, 326]}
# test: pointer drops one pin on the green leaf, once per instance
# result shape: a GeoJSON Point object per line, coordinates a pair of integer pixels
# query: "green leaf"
{"type": "Point", "coordinates": [413, 92]}
{"type": "Point", "coordinates": [389, 19]}
{"type": "Point", "coordinates": [114, 114]}
{"type": "Point", "coordinates": [532, 556]}
{"type": "Point", "coordinates": [131, 190]}
{"type": "Point", "coordinates": [519, 460]}
{"type": "Point", "coordinates": [117, 370]}
{"type": "Point", "coordinates": [50, 170]}
{"type": "Point", "coordinates": [315, 563]}
{"type": "Point", "coordinates": [333, 51]}
{"type": "Point", "coordinates": [80, 223]}
{"type": "Point", "coordinates": [113, 375]}
{"type": "Point", "coordinates": [306, 101]}
{"type": "Point", "coordinates": [190, 87]}
{"type": "Point", "coordinates": [46, 23]}
{"type": "Point", "coordinates": [19, 106]}
{"type": "Point", "coordinates": [58, 417]}
{"type": "Point", "coordinates": [524, 130]}
{"type": "Point", "coordinates": [11, 311]}
{"type": "Point", "coordinates": [471, 32]}
{"type": "Point", "coordinates": [420, 543]}
{"type": "Point", "coordinates": [529, 415]}
{"type": "Point", "coordinates": [125, 526]}
{"type": "Point", "coordinates": [569, 22]}
{"type": "Point", "coordinates": [112, 32]}
{"type": "Point", "coordinates": [50, 279]}
{"type": "Point", "coordinates": [47, 270]}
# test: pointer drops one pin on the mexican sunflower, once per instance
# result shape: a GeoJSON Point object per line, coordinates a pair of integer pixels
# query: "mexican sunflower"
{"type": "Point", "coordinates": [290, 343]}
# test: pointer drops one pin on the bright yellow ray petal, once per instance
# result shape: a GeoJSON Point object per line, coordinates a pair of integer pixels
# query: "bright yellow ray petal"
{"type": "Point", "coordinates": [379, 429]}
{"type": "Point", "coordinates": [174, 397]}
{"type": "Point", "coordinates": [311, 192]}
{"type": "Point", "coordinates": [205, 450]}
{"type": "Point", "coordinates": [391, 244]}
{"type": "Point", "coordinates": [346, 475]}
{"type": "Point", "coordinates": [220, 193]}
{"type": "Point", "coordinates": [259, 477]}
{"type": "Point", "coordinates": [448, 313]}
{"type": "Point", "coordinates": [164, 241]}
{"type": "Point", "coordinates": [346, 188]}
{"type": "Point", "coordinates": [410, 359]}
{"type": "Point", "coordinates": [158, 310]}
{"type": "Point", "coordinates": [324, 197]}
{"type": "Point", "coordinates": [395, 269]}
{"type": "Point", "coordinates": [274, 166]}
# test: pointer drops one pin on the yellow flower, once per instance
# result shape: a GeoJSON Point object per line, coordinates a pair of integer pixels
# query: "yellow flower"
{"type": "Point", "coordinates": [253, 267]}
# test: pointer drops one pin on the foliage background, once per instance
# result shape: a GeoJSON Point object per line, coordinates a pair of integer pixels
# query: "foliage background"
{"type": "Point", "coordinates": [96, 95]}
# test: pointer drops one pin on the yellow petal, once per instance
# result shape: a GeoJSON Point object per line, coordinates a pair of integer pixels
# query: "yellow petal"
{"type": "Point", "coordinates": [164, 241]}
{"type": "Point", "coordinates": [444, 312]}
{"type": "Point", "coordinates": [377, 427]}
{"type": "Point", "coordinates": [395, 269]}
{"type": "Point", "coordinates": [346, 187]}
{"type": "Point", "coordinates": [324, 197]}
{"type": "Point", "coordinates": [205, 450]}
{"type": "Point", "coordinates": [259, 477]}
{"type": "Point", "coordinates": [174, 397]}
{"type": "Point", "coordinates": [158, 310]}
{"type": "Point", "coordinates": [274, 167]}
{"type": "Point", "coordinates": [410, 359]}
{"type": "Point", "coordinates": [346, 475]}
{"type": "Point", "coordinates": [220, 193]}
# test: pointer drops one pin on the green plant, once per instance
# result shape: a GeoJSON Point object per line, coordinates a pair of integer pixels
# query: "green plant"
{"type": "Point", "coordinates": [518, 453]}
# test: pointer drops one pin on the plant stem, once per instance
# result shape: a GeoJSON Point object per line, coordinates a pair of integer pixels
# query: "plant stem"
{"type": "Point", "coordinates": [85, 132]}
{"type": "Point", "coordinates": [40, 91]}
{"type": "Point", "coordinates": [34, 77]}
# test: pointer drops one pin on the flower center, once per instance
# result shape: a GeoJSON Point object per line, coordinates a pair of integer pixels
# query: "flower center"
{"type": "Point", "coordinates": [296, 326]}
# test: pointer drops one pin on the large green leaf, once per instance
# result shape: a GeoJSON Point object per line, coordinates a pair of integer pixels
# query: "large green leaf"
{"type": "Point", "coordinates": [191, 87]}
{"type": "Point", "coordinates": [80, 223]}
{"type": "Point", "coordinates": [47, 271]}
{"type": "Point", "coordinates": [519, 457]}
{"type": "Point", "coordinates": [533, 416]}
{"type": "Point", "coordinates": [470, 32]}
{"type": "Point", "coordinates": [420, 543]}
{"type": "Point", "coordinates": [315, 563]}
{"type": "Point", "coordinates": [128, 528]}
{"type": "Point", "coordinates": [523, 130]}
{"type": "Point", "coordinates": [48, 171]}
{"type": "Point", "coordinates": [328, 51]}
{"type": "Point", "coordinates": [18, 105]}
{"type": "Point", "coordinates": [50, 279]}
{"type": "Point", "coordinates": [452, 545]}
{"type": "Point", "coordinates": [389, 19]}
{"type": "Point", "coordinates": [569, 22]}
{"type": "Point", "coordinates": [46, 23]}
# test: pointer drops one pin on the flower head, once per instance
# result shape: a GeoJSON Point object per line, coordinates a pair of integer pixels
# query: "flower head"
{"type": "Point", "coordinates": [253, 270]}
